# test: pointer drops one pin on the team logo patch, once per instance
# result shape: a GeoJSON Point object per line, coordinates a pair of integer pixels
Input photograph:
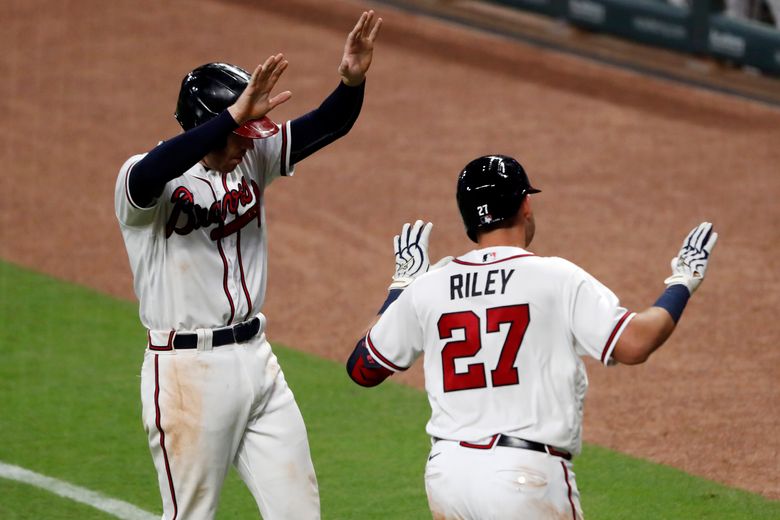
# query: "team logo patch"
{"type": "Point", "coordinates": [187, 215]}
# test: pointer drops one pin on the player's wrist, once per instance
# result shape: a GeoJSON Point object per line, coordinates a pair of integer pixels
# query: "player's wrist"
{"type": "Point", "coordinates": [237, 114]}
{"type": "Point", "coordinates": [685, 280]}
{"type": "Point", "coordinates": [353, 81]}
{"type": "Point", "coordinates": [392, 295]}
{"type": "Point", "coordinates": [674, 299]}
{"type": "Point", "coordinates": [400, 282]}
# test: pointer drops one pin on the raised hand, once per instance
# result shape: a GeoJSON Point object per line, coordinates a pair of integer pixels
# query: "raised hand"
{"type": "Point", "coordinates": [255, 102]}
{"type": "Point", "coordinates": [359, 49]}
{"type": "Point", "coordinates": [690, 264]}
{"type": "Point", "coordinates": [411, 253]}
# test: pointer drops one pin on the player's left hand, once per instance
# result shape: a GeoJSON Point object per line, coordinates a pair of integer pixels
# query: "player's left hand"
{"type": "Point", "coordinates": [411, 253]}
{"type": "Point", "coordinates": [359, 49]}
{"type": "Point", "coordinates": [690, 264]}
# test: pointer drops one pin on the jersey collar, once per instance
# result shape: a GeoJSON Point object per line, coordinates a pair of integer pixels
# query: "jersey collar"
{"type": "Point", "coordinates": [492, 255]}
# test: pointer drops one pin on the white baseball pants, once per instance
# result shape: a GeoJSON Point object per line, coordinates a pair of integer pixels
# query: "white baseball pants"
{"type": "Point", "coordinates": [206, 409]}
{"type": "Point", "coordinates": [500, 483]}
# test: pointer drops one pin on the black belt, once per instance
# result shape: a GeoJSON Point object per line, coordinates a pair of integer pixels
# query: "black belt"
{"type": "Point", "coordinates": [237, 333]}
{"type": "Point", "coordinates": [514, 442]}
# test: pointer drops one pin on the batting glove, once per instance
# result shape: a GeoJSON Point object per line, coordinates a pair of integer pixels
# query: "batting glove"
{"type": "Point", "coordinates": [690, 264]}
{"type": "Point", "coordinates": [411, 253]}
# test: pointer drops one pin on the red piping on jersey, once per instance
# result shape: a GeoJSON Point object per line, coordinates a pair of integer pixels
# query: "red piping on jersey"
{"type": "Point", "coordinates": [168, 346]}
{"type": "Point", "coordinates": [487, 446]}
{"type": "Point", "coordinates": [238, 250]}
{"type": "Point", "coordinates": [568, 485]}
{"type": "Point", "coordinates": [612, 336]}
{"type": "Point", "coordinates": [224, 263]}
{"type": "Point", "coordinates": [463, 262]}
{"type": "Point", "coordinates": [225, 282]}
{"type": "Point", "coordinates": [283, 165]}
{"type": "Point", "coordinates": [380, 356]}
{"type": "Point", "coordinates": [243, 281]}
{"type": "Point", "coordinates": [162, 434]}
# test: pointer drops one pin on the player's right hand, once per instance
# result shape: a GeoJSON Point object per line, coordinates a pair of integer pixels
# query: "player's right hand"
{"type": "Point", "coordinates": [690, 264]}
{"type": "Point", "coordinates": [411, 253]}
{"type": "Point", "coordinates": [255, 101]}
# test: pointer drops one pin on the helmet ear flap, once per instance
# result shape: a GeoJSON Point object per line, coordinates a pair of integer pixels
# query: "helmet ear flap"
{"type": "Point", "coordinates": [496, 215]}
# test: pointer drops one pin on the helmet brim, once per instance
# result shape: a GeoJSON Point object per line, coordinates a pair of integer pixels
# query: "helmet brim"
{"type": "Point", "coordinates": [257, 128]}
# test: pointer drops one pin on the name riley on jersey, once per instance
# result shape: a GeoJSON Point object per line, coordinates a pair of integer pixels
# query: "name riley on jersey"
{"type": "Point", "coordinates": [471, 284]}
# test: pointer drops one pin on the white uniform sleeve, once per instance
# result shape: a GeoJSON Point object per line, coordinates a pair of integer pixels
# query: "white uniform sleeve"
{"type": "Point", "coordinates": [127, 211]}
{"type": "Point", "coordinates": [271, 156]}
{"type": "Point", "coordinates": [396, 340]}
{"type": "Point", "coordinates": [596, 318]}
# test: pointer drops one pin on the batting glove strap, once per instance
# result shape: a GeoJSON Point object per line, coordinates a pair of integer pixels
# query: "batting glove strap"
{"type": "Point", "coordinates": [688, 282]}
{"type": "Point", "coordinates": [400, 282]}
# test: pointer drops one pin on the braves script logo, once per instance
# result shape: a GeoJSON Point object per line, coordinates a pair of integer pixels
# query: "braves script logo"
{"type": "Point", "coordinates": [194, 216]}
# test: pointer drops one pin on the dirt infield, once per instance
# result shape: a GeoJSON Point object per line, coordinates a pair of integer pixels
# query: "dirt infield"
{"type": "Point", "coordinates": [628, 165]}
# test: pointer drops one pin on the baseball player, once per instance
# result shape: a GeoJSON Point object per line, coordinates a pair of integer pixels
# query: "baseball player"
{"type": "Point", "coordinates": [191, 215]}
{"type": "Point", "coordinates": [503, 331]}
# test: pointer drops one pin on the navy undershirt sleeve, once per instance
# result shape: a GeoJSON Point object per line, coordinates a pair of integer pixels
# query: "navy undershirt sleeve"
{"type": "Point", "coordinates": [172, 158]}
{"type": "Point", "coordinates": [331, 120]}
{"type": "Point", "coordinates": [392, 295]}
{"type": "Point", "coordinates": [309, 133]}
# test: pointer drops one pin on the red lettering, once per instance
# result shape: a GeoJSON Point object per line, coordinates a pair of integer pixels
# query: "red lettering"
{"type": "Point", "coordinates": [182, 205]}
{"type": "Point", "coordinates": [196, 216]}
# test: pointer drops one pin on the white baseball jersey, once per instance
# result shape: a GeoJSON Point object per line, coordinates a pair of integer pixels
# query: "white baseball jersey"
{"type": "Point", "coordinates": [198, 257]}
{"type": "Point", "coordinates": [502, 331]}
{"type": "Point", "coordinates": [199, 253]}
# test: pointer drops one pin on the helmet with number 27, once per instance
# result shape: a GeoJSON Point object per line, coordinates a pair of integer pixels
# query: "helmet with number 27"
{"type": "Point", "coordinates": [490, 190]}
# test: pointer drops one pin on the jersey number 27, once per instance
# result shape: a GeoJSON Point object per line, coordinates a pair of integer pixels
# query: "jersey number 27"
{"type": "Point", "coordinates": [505, 373]}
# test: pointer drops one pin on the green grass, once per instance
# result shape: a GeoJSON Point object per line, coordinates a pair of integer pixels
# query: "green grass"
{"type": "Point", "coordinates": [70, 409]}
{"type": "Point", "coordinates": [19, 501]}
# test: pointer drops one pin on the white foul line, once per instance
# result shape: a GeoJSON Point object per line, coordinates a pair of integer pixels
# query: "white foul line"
{"type": "Point", "coordinates": [109, 505]}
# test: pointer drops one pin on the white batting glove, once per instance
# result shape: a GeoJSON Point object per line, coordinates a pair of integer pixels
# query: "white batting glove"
{"type": "Point", "coordinates": [411, 253]}
{"type": "Point", "coordinates": [690, 264]}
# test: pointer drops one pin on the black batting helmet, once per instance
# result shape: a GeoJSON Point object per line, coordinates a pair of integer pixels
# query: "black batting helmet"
{"type": "Point", "coordinates": [208, 90]}
{"type": "Point", "coordinates": [490, 190]}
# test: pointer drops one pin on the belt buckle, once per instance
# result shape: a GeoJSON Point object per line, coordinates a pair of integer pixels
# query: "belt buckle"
{"type": "Point", "coordinates": [242, 331]}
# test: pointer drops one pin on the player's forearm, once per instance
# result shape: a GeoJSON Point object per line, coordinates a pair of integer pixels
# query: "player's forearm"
{"type": "Point", "coordinates": [646, 332]}
{"type": "Point", "coordinates": [361, 366]}
{"type": "Point", "coordinates": [331, 120]}
{"type": "Point", "coordinates": [363, 369]}
{"type": "Point", "coordinates": [650, 328]}
{"type": "Point", "coordinates": [174, 157]}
